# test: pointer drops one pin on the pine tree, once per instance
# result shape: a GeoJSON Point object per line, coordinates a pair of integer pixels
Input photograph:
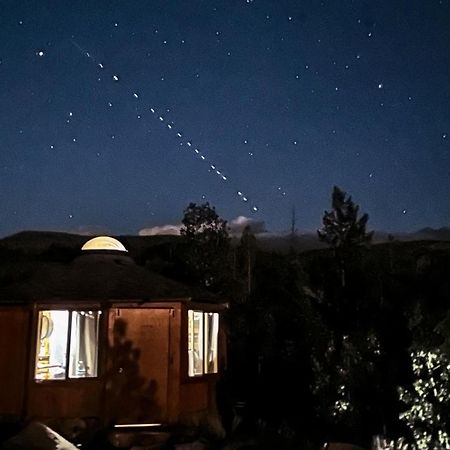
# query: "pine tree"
{"type": "Point", "coordinates": [341, 226]}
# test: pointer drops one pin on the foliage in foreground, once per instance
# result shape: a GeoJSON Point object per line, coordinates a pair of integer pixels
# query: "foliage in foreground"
{"type": "Point", "coordinates": [320, 342]}
{"type": "Point", "coordinates": [427, 403]}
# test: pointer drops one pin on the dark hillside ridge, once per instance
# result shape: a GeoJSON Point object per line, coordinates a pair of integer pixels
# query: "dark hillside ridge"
{"type": "Point", "coordinates": [301, 242]}
{"type": "Point", "coordinates": [50, 244]}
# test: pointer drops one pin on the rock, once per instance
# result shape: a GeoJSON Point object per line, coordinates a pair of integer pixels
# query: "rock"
{"type": "Point", "coordinates": [341, 446]}
{"type": "Point", "coordinates": [37, 436]}
{"type": "Point", "coordinates": [121, 439]}
{"type": "Point", "coordinates": [196, 445]}
{"type": "Point", "coordinates": [70, 429]}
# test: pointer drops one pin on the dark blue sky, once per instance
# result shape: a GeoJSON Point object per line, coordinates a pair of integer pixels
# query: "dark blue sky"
{"type": "Point", "coordinates": [282, 98]}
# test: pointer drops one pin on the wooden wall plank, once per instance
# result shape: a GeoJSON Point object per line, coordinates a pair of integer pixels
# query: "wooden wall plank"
{"type": "Point", "coordinates": [14, 324]}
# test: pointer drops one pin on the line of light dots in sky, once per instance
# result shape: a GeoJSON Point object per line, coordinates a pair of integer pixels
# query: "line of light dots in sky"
{"type": "Point", "coordinates": [197, 152]}
{"type": "Point", "coordinates": [170, 126]}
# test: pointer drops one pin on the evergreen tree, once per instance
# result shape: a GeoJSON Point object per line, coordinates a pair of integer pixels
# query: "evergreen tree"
{"type": "Point", "coordinates": [344, 231]}
{"type": "Point", "coordinates": [341, 226]}
{"type": "Point", "coordinates": [348, 366]}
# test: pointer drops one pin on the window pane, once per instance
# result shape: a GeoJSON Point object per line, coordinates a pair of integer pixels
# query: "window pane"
{"type": "Point", "coordinates": [195, 342]}
{"type": "Point", "coordinates": [51, 345]}
{"type": "Point", "coordinates": [211, 342]}
{"type": "Point", "coordinates": [83, 344]}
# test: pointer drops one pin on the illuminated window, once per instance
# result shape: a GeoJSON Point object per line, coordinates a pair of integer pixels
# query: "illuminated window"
{"type": "Point", "coordinates": [203, 332]}
{"type": "Point", "coordinates": [67, 345]}
{"type": "Point", "coordinates": [211, 342]}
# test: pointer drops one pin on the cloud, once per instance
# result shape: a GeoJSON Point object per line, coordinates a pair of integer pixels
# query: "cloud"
{"type": "Point", "coordinates": [238, 224]}
{"type": "Point", "coordinates": [236, 227]}
{"type": "Point", "coordinates": [168, 229]}
{"type": "Point", "coordinates": [90, 230]}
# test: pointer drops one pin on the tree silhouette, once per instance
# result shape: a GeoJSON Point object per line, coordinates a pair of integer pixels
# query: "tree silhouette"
{"type": "Point", "coordinates": [203, 220]}
{"type": "Point", "coordinates": [341, 226]}
{"type": "Point", "coordinates": [246, 253]}
{"type": "Point", "coordinates": [208, 245]}
{"type": "Point", "coordinates": [348, 368]}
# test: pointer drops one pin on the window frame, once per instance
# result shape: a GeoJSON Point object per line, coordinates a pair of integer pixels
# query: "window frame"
{"type": "Point", "coordinates": [204, 314]}
{"type": "Point", "coordinates": [70, 309]}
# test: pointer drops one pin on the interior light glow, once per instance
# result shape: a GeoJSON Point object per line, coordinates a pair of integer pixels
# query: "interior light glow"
{"type": "Point", "coordinates": [137, 425]}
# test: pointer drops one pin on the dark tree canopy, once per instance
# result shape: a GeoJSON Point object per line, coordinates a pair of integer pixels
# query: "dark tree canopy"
{"type": "Point", "coordinates": [203, 220]}
{"type": "Point", "coordinates": [208, 241]}
{"type": "Point", "coordinates": [245, 258]}
{"type": "Point", "coordinates": [341, 226]}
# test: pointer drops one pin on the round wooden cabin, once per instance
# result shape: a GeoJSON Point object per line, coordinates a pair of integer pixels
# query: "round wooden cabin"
{"type": "Point", "coordinates": [103, 337]}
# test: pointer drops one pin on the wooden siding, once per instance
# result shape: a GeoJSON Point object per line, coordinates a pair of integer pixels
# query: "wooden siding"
{"type": "Point", "coordinates": [65, 398]}
{"type": "Point", "coordinates": [194, 397]}
{"type": "Point", "coordinates": [142, 368]}
{"type": "Point", "coordinates": [173, 387]}
{"type": "Point", "coordinates": [14, 338]}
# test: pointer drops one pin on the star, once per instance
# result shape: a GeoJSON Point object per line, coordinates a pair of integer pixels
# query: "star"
{"type": "Point", "coordinates": [96, 85]}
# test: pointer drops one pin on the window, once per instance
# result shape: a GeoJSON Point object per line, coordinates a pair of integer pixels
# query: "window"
{"type": "Point", "coordinates": [203, 332]}
{"type": "Point", "coordinates": [67, 344]}
{"type": "Point", "coordinates": [211, 342]}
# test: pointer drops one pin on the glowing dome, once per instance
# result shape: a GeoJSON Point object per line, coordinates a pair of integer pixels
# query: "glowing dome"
{"type": "Point", "coordinates": [104, 243]}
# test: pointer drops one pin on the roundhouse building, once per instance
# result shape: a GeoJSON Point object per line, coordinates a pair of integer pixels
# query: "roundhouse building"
{"type": "Point", "coordinates": [103, 337]}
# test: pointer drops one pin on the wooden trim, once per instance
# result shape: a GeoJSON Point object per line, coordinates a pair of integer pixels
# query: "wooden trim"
{"type": "Point", "coordinates": [69, 305]}
{"type": "Point", "coordinates": [28, 365]}
{"type": "Point", "coordinates": [62, 303]}
{"type": "Point", "coordinates": [69, 338]}
{"type": "Point", "coordinates": [206, 377]}
{"type": "Point", "coordinates": [173, 404]}
{"type": "Point", "coordinates": [147, 305]}
{"type": "Point", "coordinates": [33, 344]}
{"type": "Point", "coordinates": [207, 307]}
{"type": "Point", "coordinates": [102, 342]}
{"type": "Point", "coordinates": [184, 365]}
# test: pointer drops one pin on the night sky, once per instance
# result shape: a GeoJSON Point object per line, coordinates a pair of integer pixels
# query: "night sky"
{"type": "Point", "coordinates": [116, 114]}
